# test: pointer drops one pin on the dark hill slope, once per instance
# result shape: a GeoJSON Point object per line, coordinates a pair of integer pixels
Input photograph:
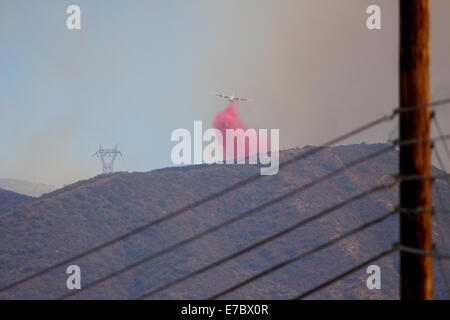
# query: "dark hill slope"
{"type": "Point", "coordinates": [10, 199]}
{"type": "Point", "coordinates": [65, 222]}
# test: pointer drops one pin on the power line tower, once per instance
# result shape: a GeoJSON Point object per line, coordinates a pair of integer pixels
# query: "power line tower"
{"type": "Point", "coordinates": [416, 271]}
{"type": "Point", "coordinates": [107, 156]}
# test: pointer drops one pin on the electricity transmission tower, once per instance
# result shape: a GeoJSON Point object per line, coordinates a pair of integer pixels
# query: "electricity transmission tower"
{"type": "Point", "coordinates": [107, 156]}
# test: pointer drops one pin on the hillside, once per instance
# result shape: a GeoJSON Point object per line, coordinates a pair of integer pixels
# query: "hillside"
{"type": "Point", "coordinates": [24, 187]}
{"type": "Point", "coordinates": [60, 224]}
{"type": "Point", "coordinates": [9, 199]}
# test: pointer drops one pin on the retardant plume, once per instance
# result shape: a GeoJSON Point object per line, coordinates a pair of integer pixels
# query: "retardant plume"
{"type": "Point", "coordinates": [228, 118]}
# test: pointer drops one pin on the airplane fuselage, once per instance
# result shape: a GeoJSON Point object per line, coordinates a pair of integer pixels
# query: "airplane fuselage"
{"type": "Point", "coordinates": [231, 98]}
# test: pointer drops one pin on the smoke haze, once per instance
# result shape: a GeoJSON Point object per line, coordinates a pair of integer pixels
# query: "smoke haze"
{"type": "Point", "coordinates": [138, 70]}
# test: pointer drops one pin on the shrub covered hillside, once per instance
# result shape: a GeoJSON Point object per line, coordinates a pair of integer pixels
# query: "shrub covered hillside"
{"type": "Point", "coordinates": [58, 225]}
{"type": "Point", "coordinates": [10, 199]}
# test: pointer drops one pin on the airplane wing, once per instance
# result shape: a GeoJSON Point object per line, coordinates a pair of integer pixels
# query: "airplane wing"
{"type": "Point", "coordinates": [223, 96]}
{"type": "Point", "coordinates": [243, 99]}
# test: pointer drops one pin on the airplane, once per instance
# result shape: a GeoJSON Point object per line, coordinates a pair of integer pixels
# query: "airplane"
{"type": "Point", "coordinates": [232, 97]}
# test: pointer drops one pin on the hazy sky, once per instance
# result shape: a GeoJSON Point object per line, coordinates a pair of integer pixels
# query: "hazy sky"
{"type": "Point", "coordinates": [137, 70]}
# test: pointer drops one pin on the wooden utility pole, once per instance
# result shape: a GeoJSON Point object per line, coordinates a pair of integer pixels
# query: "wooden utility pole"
{"type": "Point", "coordinates": [416, 271]}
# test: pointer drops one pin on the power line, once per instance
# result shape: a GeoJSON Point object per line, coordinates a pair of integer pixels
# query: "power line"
{"type": "Point", "coordinates": [396, 247]}
{"type": "Point", "coordinates": [439, 221]}
{"type": "Point", "coordinates": [204, 200]}
{"type": "Point", "coordinates": [441, 164]}
{"type": "Point", "coordinates": [433, 104]}
{"type": "Point", "coordinates": [436, 151]}
{"type": "Point", "coordinates": [420, 141]}
{"type": "Point", "coordinates": [306, 254]}
{"type": "Point", "coordinates": [419, 177]}
{"type": "Point", "coordinates": [215, 195]}
{"type": "Point", "coordinates": [235, 219]}
{"type": "Point", "coordinates": [441, 201]}
{"type": "Point", "coordinates": [267, 239]}
{"type": "Point", "coordinates": [215, 228]}
{"type": "Point", "coordinates": [196, 203]}
{"type": "Point", "coordinates": [346, 273]}
{"type": "Point", "coordinates": [441, 134]}
{"type": "Point", "coordinates": [443, 206]}
{"type": "Point", "coordinates": [212, 265]}
{"type": "Point", "coordinates": [421, 252]}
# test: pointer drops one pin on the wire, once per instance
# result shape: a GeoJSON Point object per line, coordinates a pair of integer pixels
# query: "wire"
{"type": "Point", "coordinates": [396, 247]}
{"type": "Point", "coordinates": [433, 104]}
{"type": "Point", "coordinates": [398, 142]}
{"type": "Point", "coordinates": [345, 274]}
{"type": "Point", "coordinates": [306, 254]}
{"type": "Point", "coordinates": [444, 239]}
{"type": "Point", "coordinates": [219, 193]}
{"type": "Point", "coordinates": [266, 240]}
{"type": "Point", "coordinates": [417, 251]}
{"type": "Point", "coordinates": [196, 203]}
{"type": "Point", "coordinates": [441, 134]}
{"type": "Point", "coordinates": [413, 177]}
{"type": "Point", "coordinates": [235, 219]}
{"type": "Point", "coordinates": [441, 164]}
{"type": "Point", "coordinates": [310, 252]}
{"type": "Point", "coordinates": [215, 228]}
{"type": "Point", "coordinates": [406, 178]}
{"type": "Point", "coordinates": [441, 232]}
{"type": "Point", "coordinates": [412, 213]}
{"type": "Point", "coordinates": [438, 156]}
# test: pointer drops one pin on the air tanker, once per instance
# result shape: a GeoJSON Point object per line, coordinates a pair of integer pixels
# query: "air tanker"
{"type": "Point", "coordinates": [231, 98]}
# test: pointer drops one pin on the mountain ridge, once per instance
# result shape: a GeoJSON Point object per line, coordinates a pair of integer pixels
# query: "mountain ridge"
{"type": "Point", "coordinates": [25, 187]}
{"type": "Point", "coordinates": [67, 221]}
